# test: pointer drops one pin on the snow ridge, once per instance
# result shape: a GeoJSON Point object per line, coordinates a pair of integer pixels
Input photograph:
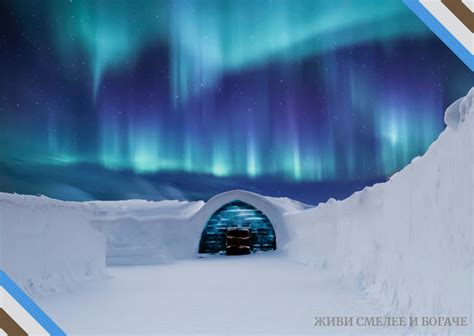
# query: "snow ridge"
{"type": "Point", "coordinates": [407, 244]}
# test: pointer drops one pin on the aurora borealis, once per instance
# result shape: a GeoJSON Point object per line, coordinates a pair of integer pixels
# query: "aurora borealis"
{"type": "Point", "coordinates": [302, 91]}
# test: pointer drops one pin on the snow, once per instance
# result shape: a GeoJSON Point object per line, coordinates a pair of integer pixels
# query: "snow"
{"type": "Point", "coordinates": [142, 233]}
{"type": "Point", "coordinates": [146, 233]}
{"type": "Point", "coordinates": [458, 111]}
{"type": "Point", "coordinates": [273, 207]}
{"type": "Point", "coordinates": [48, 245]}
{"type": "Point", "coordinates": [452, 117]}
{"type": "Point", "coordinates": [406, 243]}
{"type": "Point", "coordinates": [264, 294]}
{"type": "Point", "coordinates": [142, 209]}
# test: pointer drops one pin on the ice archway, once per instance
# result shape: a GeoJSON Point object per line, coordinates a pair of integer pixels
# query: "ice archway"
{"type": "Point", "coordinates": [242, 215]}
{"type": "Point", "coordinates": [266, 208]}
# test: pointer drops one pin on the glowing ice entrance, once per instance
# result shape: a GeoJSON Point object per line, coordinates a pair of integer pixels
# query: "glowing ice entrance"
{"type": "Point", "coordinates": [237, 214]}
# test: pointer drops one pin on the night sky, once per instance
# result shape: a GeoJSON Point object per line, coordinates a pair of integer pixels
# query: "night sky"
{"type": "Point", "coordinates": [272, 96]}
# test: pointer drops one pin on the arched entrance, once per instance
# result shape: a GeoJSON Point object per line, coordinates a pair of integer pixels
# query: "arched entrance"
{"type": "Point", "coordinates": [242, 215]}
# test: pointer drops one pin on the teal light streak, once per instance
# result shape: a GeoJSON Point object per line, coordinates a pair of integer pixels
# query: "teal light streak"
{"type": "Point", "coordinates": [212, 39]}
{"type": "Point", "coordinates": [112, 33]}
{"type": "Point", "coordinates": [403, 134]}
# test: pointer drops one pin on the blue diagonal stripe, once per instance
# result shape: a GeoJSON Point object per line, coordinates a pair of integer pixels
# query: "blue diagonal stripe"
{"type": "Point", "coordinates": [28, 304]}
{"type": "Point", "coordinates": [452, 42]}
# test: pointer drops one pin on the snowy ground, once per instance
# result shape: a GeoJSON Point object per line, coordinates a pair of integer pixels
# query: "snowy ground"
{"type": "Point", "coordinates": [256, 294]}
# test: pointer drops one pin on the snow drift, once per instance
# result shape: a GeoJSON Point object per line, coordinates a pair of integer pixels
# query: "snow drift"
{"type": "Point", "coordinates": [144, 233]}
{"type": "Point", "coordinates": [48, 245]}
{"type": "Point", "coordinates": [407, 242]}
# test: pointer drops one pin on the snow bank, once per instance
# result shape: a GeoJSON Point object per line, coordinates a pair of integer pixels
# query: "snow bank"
{"type": "Point", "coordinates": [48, 245]}
{"type": "Point", "coordinates": [407, 243]}
{"type": "Point", "coordinates": [142, 232]}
